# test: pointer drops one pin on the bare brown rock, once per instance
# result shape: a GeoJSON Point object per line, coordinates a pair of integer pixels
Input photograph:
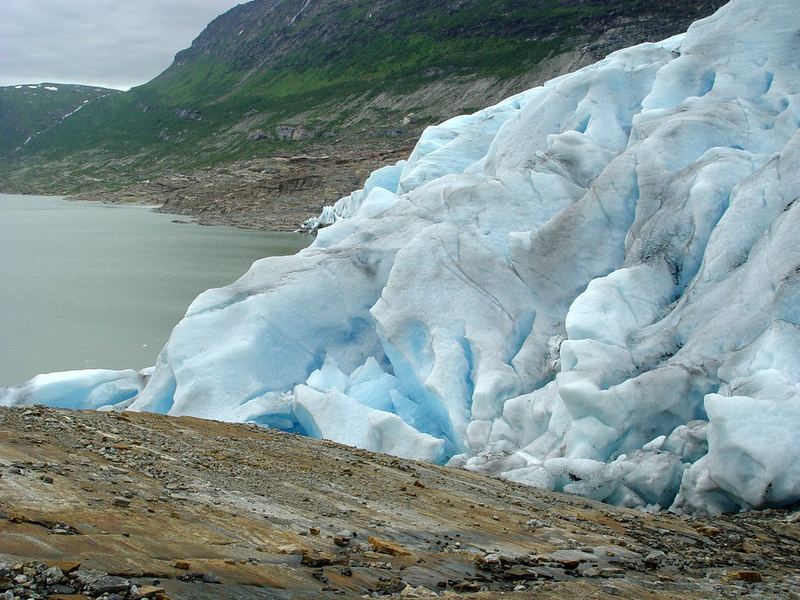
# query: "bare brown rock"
{"type": "Point", "coordinates": [248, 497]}
{"type": "Point", "coordinates": [387, 547]}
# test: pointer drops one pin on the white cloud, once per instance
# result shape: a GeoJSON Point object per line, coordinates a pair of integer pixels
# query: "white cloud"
{"type": "Point", "coordinates": [109, 43]}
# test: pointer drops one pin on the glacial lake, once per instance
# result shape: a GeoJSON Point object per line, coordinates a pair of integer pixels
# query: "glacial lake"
{"type": "Point", "coordinates": [88, 285]}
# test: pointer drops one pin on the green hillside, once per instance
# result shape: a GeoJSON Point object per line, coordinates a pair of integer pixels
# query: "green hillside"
{"type": "Point", "coordinates": [275, 76]}
{"type": "Point", "coordinates": [27, 111]}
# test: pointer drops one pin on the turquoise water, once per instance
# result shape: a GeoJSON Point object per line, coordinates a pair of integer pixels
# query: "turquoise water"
{"type": "Point", "coordinates": [88, 285]}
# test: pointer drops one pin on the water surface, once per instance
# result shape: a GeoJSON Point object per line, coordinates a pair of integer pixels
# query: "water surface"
{"type": "Point", "coordinates": [88, 285]}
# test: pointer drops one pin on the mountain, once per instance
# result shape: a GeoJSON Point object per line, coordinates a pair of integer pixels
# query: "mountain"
{"type": "Point", "coordinates": [352, 80]}
{"type": "Point", "coordinates": [592, 287]}
{"type": "Point", "coordinates": [33, 110]}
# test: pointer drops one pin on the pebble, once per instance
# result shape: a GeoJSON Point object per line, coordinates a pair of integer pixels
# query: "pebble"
{"type": "Point", "coordinates": [149, 591]}
{"type": "Point", "coordinates": [746, 576]}
{"type": "Point", "coordinates": [53, 575]}
{"type": "Point", "coordinates": [320, 559]}
{"type": "Point", "coordinates": [520, 572]}
{"type": "Point", "coordinates": [387, 547]}
{"type": "Point", "coordinates": [342, 539]}
{"type": "Point", "coordinates": [655, 558]}
{"type": "Point", "coordinates": [109, 584]}
{"type": "Point", "coordinates": [612, 572]}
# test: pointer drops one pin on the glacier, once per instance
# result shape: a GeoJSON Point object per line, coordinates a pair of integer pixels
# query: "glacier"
{"type": "Point", "coordinates": [591, 287]}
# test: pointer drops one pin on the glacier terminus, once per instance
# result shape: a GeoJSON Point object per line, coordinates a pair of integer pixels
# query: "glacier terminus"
{"type": "Point", "coordinates": [591, 287]}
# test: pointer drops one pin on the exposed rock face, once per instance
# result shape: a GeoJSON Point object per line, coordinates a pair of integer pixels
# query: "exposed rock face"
{"type": "Point", "coordinates": [188, 114]}
{"type": "Point", "coordinates": [292, 132]}
{"type": "Point", "coordinates": [276, 193]}
{"type": "Point", "coordinates": [231, 511]}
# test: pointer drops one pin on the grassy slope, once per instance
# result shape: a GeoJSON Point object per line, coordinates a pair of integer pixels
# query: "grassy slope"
{"type": "Point", "coordinates": [28, 110]}
{"type": "Point", "coordinates": [255, 64]}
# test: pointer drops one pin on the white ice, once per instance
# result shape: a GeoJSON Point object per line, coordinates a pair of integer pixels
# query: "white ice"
{"type": "Point", "coordinates": [86, 389]}
{"type": "Point", "coordinates": [593, 286]}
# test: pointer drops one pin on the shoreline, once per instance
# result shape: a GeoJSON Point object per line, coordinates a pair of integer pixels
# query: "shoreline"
{"type": "Point", "coordinates": [274, 193]}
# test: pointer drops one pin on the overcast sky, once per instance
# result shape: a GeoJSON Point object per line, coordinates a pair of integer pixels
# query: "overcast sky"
{"type": "Point", "coordinates": [109, 43]}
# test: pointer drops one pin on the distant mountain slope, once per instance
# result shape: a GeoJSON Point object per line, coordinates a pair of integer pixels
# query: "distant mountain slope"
{"type": "Point", "coordinates": [27, 111]}
{"type": "Point", "coordinates": [318, 76]}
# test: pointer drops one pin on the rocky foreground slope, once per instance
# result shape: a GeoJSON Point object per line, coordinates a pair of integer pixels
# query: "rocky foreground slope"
{"type": "Point", "coordinates": [137, 505]}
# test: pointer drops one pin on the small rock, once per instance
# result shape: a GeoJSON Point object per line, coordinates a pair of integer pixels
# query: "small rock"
{"type": "Point", "coordinates": [60, 531]}
{"type": "Point", "coordinates": [545, 573]}
{"type": "Point", "coordinates": [313, 530]}
{"type": "Point", "coordinates": [108, 584]}
{"type": "Point", "coordinates": [46, 479]}
{"type": "Point", "coordinates": [520, 572]}
{"type": "Point", "coordinates": [417, 592]}
{"type": "Point", "coordinates": [747, 576]}
{"type": "Point", "coordinates": [183, 565]}
{"type": "Point", "coordinates": [386, 547]}
{"type": "Point", "coordinates": [66, 566]}
{"type": "Point", "coordinates": [467, 586]}
{"type": "Point", "coordinates": [708, 530]}
{"type": "Point", "coordinates": [60, 589]}
{"type": "Point", "coordinates": [655, 558]}
{"type": "Point", "coordinates": [570, 564]}
{"type": "Point", "coordinates": [292, 549]}
{"type": "Point", "coordinates": [315, 560]}
{"type": "Point", "coordinates": [612, 572]}
{"type": "Point", "coordinates": [123, 502]}
{"type": "Point", "coordinates": [150, 591]}
{"type": "Point", "coordinates": [610, 590]}
{"type": "Point", "coordinates": [53, 575]}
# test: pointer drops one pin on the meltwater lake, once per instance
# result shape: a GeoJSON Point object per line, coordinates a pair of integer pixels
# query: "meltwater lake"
{"type": "Point", "coordinates": [88, 285]}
